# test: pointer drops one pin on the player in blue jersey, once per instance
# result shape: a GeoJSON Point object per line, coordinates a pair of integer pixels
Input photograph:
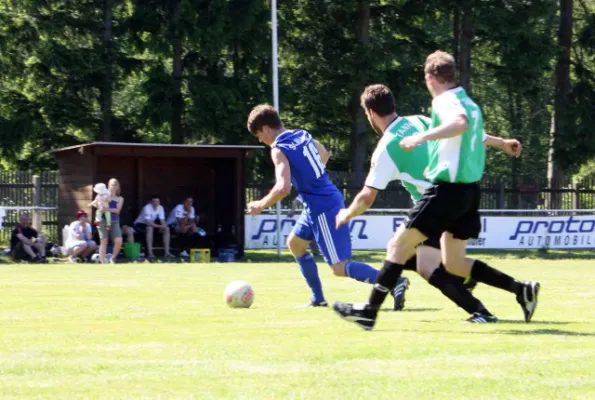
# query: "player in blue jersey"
{"type": "Point", "coordinates": [301, 161]}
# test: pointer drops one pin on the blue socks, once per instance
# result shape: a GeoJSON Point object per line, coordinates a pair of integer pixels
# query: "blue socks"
{"type": "Point", "coordinates": [310, 272]}
{"type": "Point", "coordinates": [361, 272]}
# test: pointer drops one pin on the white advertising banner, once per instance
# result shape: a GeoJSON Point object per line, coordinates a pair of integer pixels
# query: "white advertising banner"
{"type": "Point", "coordinates": [370, 232]}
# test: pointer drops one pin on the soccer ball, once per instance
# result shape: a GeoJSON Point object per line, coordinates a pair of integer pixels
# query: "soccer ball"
{"type": "Point", "coordinates": [238, 294]}
{"type": "Point", "coordinates": [95, 258]}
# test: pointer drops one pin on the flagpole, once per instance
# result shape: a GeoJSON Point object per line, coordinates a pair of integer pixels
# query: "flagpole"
{"type": "Point", "coordinates": [276, 102]}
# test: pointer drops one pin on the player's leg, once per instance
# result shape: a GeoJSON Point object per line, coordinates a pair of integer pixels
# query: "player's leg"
{"type": "Point", "coordinates": [454, 244]}
{"type": "Point", "coordinates": [431, 269]}
{"type": "Point", "coordinates": [335, 244]}
{"type": "Point", "coordinates": [400, 248]}
{"type": "Point", "coordinates": [297, 242]}
{"type": "Point", "coordinates": [426, 219]}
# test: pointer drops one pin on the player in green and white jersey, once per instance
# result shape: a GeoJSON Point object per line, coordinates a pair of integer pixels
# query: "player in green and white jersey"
{"type": "Point", "coordinates": [391, 162]}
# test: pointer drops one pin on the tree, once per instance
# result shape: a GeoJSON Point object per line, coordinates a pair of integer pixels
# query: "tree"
{"type": "Point", "coordinates": [561, 124]}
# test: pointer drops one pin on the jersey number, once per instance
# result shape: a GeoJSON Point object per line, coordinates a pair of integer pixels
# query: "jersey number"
{"type": "Point", "coordinates": [313, 156]}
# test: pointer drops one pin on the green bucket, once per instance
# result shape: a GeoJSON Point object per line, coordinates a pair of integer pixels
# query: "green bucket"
{"type": "Point", "coordinates": [132, 251]}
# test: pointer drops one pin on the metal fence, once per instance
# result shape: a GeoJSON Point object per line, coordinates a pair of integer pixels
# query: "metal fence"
{"type": "Point", "coordinates": [498, 193]}
{"type": "Point", "coordinates": [26, 189]}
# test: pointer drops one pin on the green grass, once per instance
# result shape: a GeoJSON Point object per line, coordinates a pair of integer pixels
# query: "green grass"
{"type": "Point", "coordinates": [157, 331]}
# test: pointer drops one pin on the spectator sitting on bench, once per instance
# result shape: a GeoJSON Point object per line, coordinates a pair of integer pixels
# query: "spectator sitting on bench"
{"type": "Point", "coordinates": [182, 219]}
{"type": "Point", "coordinates": [80, 238]}
{"type": "Point", "coordinates": [151, 218]}
{"type": "Point", "coordinates": [25, 243]}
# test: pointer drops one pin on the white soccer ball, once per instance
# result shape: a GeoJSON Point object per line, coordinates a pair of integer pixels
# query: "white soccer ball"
{"type": "Point", "coordinates": [238, 294]}
{"type": "Point", "coordinates": [95, 258]}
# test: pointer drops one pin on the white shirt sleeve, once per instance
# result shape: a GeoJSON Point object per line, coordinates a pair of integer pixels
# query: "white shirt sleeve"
{"type": "Point", "coordinates": [147, 213]}
{"type": "Point", "coordinates": [383, 169]}
{"type": "Point", "coordinates": [179, 211]}
{"type": "Point", "coordinates": [192, 213]}
{"type": "Point", "coordinates": [447, 106]}
{"type": "Point", "coordinates": [161, 213]}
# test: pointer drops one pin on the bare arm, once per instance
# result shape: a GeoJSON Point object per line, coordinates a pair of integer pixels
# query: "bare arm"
{"type": "Point", "coordinates": [324, 153]}
{"type": "Point", "coordinates": [512, 147]}
{"type": "Point", "coordinates": [453, 128]}
{"type": "Point", "coordinates": [364, 200]}
{"type": "Point", "coordinates": [24, 239]}
{"type": "Point", "coordinates": [282, 183]}
{"type": "Point", "coordinates": [450, 129]}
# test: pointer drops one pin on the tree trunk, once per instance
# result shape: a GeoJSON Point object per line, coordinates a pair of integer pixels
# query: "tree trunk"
{"type": "Point", "coordinates": [358, 137]}
{"type": "Point", "coordinates": [177, 134]}
{"type": "Point", "coordinates": [465, 48]}
{"type": "Point", "coordinates": [560, 122]}
{"type": "Point", "coordinates": [105, 94]}
{"type": "Point", "coordinates": [456, 31]}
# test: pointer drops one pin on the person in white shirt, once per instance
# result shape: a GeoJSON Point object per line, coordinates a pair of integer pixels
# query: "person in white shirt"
{"type": "Point", "coordinates": [183, 219]}
{"type": "Point", "coordinates": [152, 217]}
{"type": "Point", "coordinates": [79, 242]}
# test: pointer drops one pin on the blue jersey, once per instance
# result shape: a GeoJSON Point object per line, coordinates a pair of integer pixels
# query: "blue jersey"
{"type": "Point", "coordinates": [308, 172]}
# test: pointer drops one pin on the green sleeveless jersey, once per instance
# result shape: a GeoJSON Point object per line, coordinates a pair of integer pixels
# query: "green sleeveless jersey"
{"type": "Point", "coordinates": [460, 159]}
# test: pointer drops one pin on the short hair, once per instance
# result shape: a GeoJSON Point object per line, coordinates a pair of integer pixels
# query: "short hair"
{"type": "Point", "coordinates": [188, 197]}
{"type": "Point", "coordinates": [379, 99]}
{"type": "Point", "coordinates": [154, 197]}
{"type": "Point", "coordinates": [441, 66]}
{"type": "Point", "coordinates": [263, 115]}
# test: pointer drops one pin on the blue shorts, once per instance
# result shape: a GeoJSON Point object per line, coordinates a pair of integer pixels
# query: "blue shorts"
{"type": "Point", "coordinates": [334, 244]}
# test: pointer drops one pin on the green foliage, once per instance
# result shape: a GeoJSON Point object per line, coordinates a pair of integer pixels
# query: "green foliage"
{"type": "Point", "coordinates": [190, 71]}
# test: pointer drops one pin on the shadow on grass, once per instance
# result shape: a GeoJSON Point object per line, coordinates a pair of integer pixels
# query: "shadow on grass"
{"type": "Point", "coordinates": [376, 256]}
{"type": "Point", "coordinates": [552, 332]}
{"type": "Point", "coordinates": [421, 309]}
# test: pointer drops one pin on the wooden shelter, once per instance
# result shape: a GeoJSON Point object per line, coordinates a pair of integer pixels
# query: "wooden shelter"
{"type": "Point", "coordinates": [213, 175]}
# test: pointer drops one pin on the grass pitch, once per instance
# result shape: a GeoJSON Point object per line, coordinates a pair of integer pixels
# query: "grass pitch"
{"type": "Point", "coordinates": [161, 331]}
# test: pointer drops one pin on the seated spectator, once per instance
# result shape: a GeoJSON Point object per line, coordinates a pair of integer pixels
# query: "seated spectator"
{"type": "Point", "coordinates": [151, 218]}
{"type": "Point", "coordinates": [182, 219]}
{"type": "Point", "coordinates": [25, 243]}
{"type": "Point", "coordinates": [79, 242]}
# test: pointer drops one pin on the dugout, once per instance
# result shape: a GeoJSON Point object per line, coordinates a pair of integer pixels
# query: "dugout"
{"type": "Point", "coordinates": [212, 174]}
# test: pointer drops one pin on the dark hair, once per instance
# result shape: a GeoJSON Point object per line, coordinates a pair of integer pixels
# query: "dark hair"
{"type": "Point", "coordinates": [154, 197]}
{"type": "Point", "coordinates": [379, 99]}
{"type": "Point", "coordinates": [263, 115]}
{"type": "Point", "coordinates": [441, 66]}
{"type": "Point", "coordinates": [188, 197]}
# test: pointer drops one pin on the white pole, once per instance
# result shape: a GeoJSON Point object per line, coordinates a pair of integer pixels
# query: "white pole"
{"type": "Point", "coordinates": [276, 103]}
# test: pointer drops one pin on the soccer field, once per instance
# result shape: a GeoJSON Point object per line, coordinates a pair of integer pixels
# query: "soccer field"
{"type": "Point", "coordinates": [163, 331]}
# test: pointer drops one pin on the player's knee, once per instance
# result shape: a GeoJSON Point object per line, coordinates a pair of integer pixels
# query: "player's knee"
{"type": "Point", "coordinates": [400, 250]}
{"type": "Point", "coordinates": [426, 270]}
{"type": "Point", "coordinates": [338, 269]}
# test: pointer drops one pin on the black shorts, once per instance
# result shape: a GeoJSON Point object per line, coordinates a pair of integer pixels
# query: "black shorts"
{"type": "Point", "coordinates": [447, 207]}
{"type": "Point", "coordinates": [19, 253]}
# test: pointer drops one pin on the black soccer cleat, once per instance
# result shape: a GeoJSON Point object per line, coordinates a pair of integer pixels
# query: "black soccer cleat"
{"type": "Point", "coordinates": [359, 314]}
{"type": "Point", "coordinates": [470, 284]}
{"type": "Point", "coordinates": [313, 303]}
{"type": "Point", "coordinates": [527, 298]}
{"type": "Point", "coordinates": [399, 293]}
{"type": "Point", "coordinates": [481, 318]}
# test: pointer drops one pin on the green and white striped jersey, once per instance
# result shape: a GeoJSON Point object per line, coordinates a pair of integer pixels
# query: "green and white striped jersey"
{"type": "Point", "coordinates": [390, 162]}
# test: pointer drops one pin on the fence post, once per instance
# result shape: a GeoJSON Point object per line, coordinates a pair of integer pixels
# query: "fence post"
{"type": "Point", "coordinates": [37, 203]}
{"type": "Point", "coordinates": [575, 195]}
{"type": "Point", "coordinates": [501, 196]}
